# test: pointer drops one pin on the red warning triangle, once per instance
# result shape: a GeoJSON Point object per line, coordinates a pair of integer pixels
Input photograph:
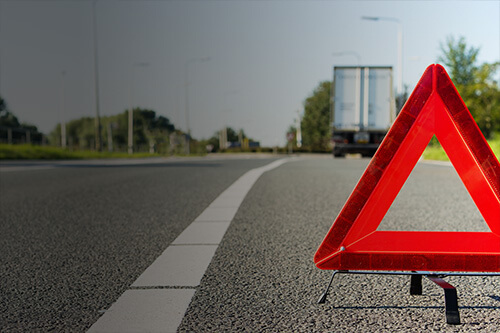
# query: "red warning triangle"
{"type": "Point", "coordinates": [353, 242]}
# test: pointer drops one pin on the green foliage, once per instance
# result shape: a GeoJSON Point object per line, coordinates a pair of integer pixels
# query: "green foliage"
{"type": "Point", "coordinates": [459, 59]}
{"type": "Point", "coordinates": [434, 151]}
{"type": "Point", "coordinates": [3, 105]}
{"type": "Point", "coordinates": [315, 124]}
{"type": "Point", "coordinates": [495, 144]}
{"type": "Point", "coordinates": [149, 128]}
{"type": "Point", "coordinates": [80, 133]}
{"type": "Point", "coordinates": [150, 131]}
{"type": "Point", "coordinates": [18, 152]}
{"type": "Point", "coordinates": [232, 136]}
{"type": "Point", "coordinates": [7, 118]}
{"type": "Point", "coordinates": [213, 142]}
{"type": "Point", "coordinates": [474, 82]}
{"type": "Point", "coordinates": [18, 131]}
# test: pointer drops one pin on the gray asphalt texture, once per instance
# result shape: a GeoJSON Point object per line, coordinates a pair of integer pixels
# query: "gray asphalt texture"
{"type": "Point", "coordinates": [73, 238]}
{"type": "Point", "coordinates": [263, 278]}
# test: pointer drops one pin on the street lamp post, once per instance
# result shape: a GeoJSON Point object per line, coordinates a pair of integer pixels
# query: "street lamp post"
{"type": "Point", "coordinates": [131, 110]}
{"type": "Point", "coordinates": [98, 143]}
{"type": "Point", "coordinates": [0, 50]}
{"type": "Point", "coordinates": [186, 86]}
{"type": "Point", "coordinates": [62, 116]}
{"type": "Point", "coordinates": [400, 45]}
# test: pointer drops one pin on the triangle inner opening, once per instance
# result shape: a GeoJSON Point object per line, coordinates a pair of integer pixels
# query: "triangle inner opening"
{"type": "Point", "coordinates": [433, 198]}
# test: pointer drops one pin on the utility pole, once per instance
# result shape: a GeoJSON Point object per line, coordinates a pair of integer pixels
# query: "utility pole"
{"type": "Point", "coordinates": [131, 130]}
{"type": "Point", "coordinates": [0, 49]}
{"type": "Point", "coordinates": [98, 144]}
{"type": "Point", "coordinates": [186, 105]}
{"type": "Point", "coordinates": [186, 95]}
{"type": "Point", "coordinates": [110, 138]}
{"type": "Point", "coordinates": [131, 110]}
{"type": "Point", "coordinates": [62, 114]}
{"type": "Point", "coordinates": [223, 139]}
{"type": "Point", "coordinates": [400, 46]}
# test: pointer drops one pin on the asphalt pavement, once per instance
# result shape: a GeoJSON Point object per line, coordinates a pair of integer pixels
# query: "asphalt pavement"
{"type": "Point", "coordinates": [75, 236]}
{"type": "Point", "coordinates": [262, 277]}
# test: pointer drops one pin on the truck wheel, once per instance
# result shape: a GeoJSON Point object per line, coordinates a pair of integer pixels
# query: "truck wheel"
{"type": "Point", "coordinates": [338, 154]}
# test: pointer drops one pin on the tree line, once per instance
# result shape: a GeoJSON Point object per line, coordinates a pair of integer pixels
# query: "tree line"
{"type": "Point", "coordinates": [151, 133]}
{"type": "Point", "coordinates": [475, 82]}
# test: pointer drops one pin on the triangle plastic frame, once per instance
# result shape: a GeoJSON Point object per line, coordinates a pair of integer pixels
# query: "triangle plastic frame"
{"type": "Point", "coordinates": [353, 242]}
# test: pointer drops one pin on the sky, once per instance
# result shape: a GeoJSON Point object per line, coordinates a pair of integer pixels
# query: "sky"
{"type": "Point", "coordinates": [250, 64]}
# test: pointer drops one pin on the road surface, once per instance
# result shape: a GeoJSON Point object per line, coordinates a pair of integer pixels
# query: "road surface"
{"type": "Point", "coordinates": [77, 238]}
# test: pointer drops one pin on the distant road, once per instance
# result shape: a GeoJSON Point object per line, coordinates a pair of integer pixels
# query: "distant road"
{"type": "Point", "coordinates": [76, 235]}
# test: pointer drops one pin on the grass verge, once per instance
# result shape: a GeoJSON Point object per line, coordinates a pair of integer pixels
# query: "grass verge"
{"type": "Point", "coordinates": [31, 152]}
{"type": "Point", "coordinates": [436, 152]}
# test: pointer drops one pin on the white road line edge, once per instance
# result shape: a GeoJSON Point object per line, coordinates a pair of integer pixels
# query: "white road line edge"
{"type": "Point", "coordinates": [182, 264]}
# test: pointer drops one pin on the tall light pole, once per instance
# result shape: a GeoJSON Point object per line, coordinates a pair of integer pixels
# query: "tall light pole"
{"type": "Point", "coordinates": [98, 144]}
{"type": "Point", "coordinates": [186, 104]}
{"type": "Point", "coordinates": [62, 114]}
{"type": "Point", "coordinates": [356, 54]}
{"type": "Point", "coordinates": [400, 45]}
{"type": "Point", "coordinates": [1, 49]}
{"type": "Point", "coordinates": [131, 110]}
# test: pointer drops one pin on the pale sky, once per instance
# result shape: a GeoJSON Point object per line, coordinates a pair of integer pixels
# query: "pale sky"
{"type": "Point", "coordinates": [266, 57]}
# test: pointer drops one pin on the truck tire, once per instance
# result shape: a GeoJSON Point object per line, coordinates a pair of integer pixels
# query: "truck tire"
{"type": "Point", "coordinates": [338, 154]}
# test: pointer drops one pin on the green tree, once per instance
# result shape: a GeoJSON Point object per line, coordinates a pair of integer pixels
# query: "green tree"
{"type": "Point", "coordinates": [19, 132]}
{"type": "Point", "coordinates": [316, 121]}
{"type": "Point", "coordinates": [150, 130]}
{"type": "Point", "coordinates": [460, 60]}
{"type": "Point", "coordinates": [213, 142]}
{"type": "Point", "coordinates": [232, 136]}
{"type": "Point", "coordinates": [7, 118]}
{"type": "Point", "coordinates": [474, 82]}
{"type": "Point", "coordinates": [3, 105]}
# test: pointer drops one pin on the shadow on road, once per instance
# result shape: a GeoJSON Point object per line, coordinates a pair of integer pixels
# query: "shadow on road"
{"type": "Point", "coordinates": [387, 307]}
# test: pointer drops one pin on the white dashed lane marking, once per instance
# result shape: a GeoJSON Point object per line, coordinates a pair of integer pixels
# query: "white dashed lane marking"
{"type": "Point", "coordinates": [159, 305]}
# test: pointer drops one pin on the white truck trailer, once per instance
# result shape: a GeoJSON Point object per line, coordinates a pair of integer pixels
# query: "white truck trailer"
{"type": "Point", "coordinates": [362, 109]}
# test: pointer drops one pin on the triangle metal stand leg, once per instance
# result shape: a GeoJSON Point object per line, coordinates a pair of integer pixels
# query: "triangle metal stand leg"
{"type": "Point", "coordinates": [322, 298]}
{"type": "Point", "coordinates": [450, 299]}
{"type": "Point", "coordinates": [416, 284]}
{"type": "Point", "coordinates": [450, 292]}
